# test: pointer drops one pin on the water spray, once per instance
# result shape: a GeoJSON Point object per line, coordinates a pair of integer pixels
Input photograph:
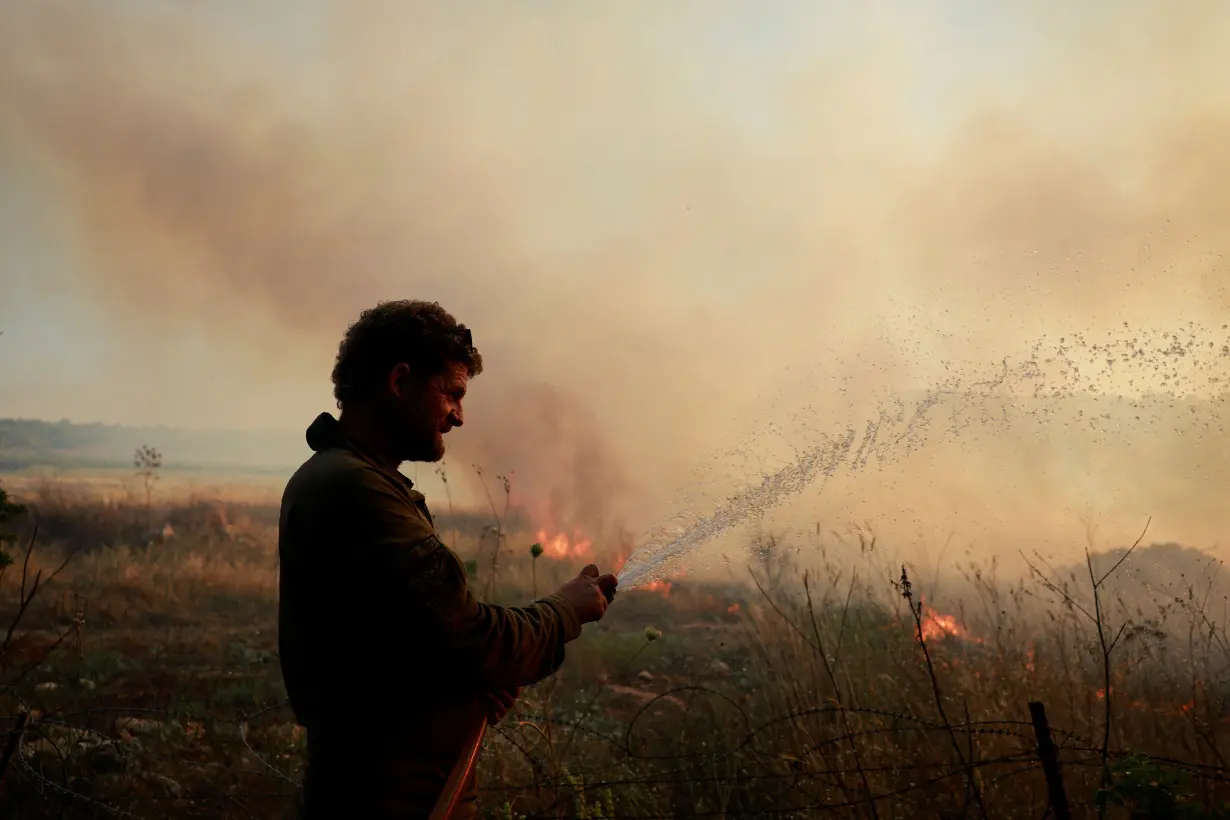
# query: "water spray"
{"type": "Point", "coordinates": [1189, 360]}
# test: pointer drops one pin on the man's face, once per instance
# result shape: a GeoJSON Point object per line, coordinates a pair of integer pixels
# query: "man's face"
{"type": "Point", "coordinates": [421, 412]}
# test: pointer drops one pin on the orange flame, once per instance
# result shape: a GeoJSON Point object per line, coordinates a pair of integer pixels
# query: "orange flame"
{"type": "Point", "coordinates": [661, 587]}
{"type": "Point", "coordinates": [560, 546]}
{"type": "Point", "coordinates": [621, 558]}
{"type": "Point", "coordinates": [936, 625]}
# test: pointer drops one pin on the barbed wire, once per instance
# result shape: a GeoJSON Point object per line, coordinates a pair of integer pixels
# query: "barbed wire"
{"type": "Point", "coordinates": [1077, 752]}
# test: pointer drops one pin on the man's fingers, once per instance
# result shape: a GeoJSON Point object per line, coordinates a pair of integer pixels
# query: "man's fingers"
{"type": "Point", "coordinates": [607, 583]}
{"type": "Point", "coordinates": [590, 571]}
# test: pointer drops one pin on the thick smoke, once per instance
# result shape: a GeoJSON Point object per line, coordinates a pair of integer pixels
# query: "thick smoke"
{"type": "Point", "coordinates": [659, 212]}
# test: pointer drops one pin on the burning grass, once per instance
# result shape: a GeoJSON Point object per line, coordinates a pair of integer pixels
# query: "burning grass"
{"type": "Point", "coordinates": [145, 678]}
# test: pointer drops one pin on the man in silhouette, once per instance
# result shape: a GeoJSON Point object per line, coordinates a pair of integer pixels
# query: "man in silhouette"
{"type": "Point", "coordinates": [389, 660]}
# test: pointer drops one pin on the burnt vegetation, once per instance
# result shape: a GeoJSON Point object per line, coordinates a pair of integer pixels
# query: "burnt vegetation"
{"type": "Point", "coordinates": [140, 678]}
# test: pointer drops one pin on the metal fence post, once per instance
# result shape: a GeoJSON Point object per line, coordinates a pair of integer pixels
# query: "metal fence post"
{"type": "Point", "coordinates": [1050, 761]}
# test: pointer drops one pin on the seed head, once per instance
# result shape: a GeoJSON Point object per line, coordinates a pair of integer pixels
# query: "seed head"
{"type": "Point", "coordinates": [536, 550]}
{"type": "Point", "coordinates": [652, 634]}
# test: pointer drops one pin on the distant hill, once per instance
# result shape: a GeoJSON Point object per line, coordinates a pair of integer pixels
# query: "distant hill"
{"type": "Point", "coordinates": [32, 443]}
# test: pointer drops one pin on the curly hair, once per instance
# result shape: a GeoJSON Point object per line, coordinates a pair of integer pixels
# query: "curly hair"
{"type": "Point", "coordinates": [420, 334]}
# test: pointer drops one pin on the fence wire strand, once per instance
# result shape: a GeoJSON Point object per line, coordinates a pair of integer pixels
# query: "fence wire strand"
{"type": "Point", "coordinates": [83, 727]}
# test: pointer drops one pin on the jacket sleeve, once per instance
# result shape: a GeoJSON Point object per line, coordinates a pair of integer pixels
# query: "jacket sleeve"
{"type": "Point", "coordinates": [503, 647]}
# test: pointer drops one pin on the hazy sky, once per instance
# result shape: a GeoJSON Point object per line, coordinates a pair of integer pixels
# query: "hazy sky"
{"type": "Point", "coordinates": [654, 215]}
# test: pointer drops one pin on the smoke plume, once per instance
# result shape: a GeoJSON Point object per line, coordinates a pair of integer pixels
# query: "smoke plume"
{"type": "Point", "coordinates": [670, 225]}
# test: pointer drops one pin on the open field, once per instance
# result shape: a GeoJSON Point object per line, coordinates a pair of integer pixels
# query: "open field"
{"type": "Point", "coordinates": [143, 681]}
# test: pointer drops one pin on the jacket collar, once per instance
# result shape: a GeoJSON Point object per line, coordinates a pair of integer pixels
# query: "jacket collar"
{"type": "Point", "coordinates": [325, 433]}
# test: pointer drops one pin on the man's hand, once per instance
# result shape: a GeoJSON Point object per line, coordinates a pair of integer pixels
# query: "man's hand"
{"type": "Point", "coordinates": [589, 593]}
{"type": "Point", "coordinates": [499, 703]}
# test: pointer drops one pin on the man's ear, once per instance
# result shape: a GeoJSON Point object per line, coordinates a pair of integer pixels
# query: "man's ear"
{"type": "Point", "coordinates": [399, 379]}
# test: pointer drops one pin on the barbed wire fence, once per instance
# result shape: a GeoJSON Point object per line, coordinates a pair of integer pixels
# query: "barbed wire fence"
{"type": "Point", "coordinates": [52, 764]}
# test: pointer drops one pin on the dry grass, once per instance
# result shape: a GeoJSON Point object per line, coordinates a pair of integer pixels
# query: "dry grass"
{"type": "Point", "coordinates": [148, 678]}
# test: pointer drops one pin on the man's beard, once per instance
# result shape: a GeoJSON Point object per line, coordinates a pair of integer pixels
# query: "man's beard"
{"type": "Point", "coordinates": [426, 448]}
{"type": "Point", "coordinates": [420, 445]}
{"type": "Point", "coordinates": [417, 440]}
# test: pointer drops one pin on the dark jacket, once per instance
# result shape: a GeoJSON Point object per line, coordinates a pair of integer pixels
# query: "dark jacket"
{"type": "Point", "coordinates": [385, 651]}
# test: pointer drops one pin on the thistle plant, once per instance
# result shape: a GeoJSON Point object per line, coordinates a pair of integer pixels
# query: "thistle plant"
{"type": "Point", "coordinates": [535, 554]}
